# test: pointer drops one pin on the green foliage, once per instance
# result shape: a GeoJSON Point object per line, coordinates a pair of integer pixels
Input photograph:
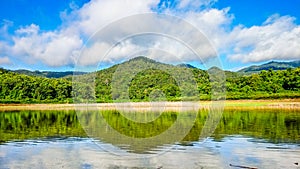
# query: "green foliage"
{"type": "Point", "coordinates": [19, 88]}
{"type": "Point", "coordinates": [265, 85]}
{"type": "Point", "coordinates": [157, 83]}
{"type": "Point", "coordinates": [147, 85]}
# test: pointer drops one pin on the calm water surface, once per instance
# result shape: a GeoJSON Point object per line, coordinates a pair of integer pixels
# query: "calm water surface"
{"type": "Point", "coordinates": [56, 139]}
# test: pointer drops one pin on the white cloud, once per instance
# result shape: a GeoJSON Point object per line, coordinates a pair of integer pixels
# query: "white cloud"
{"type": "Point", "coordinates": [99, 13]}
{"type": "Point", "coordinates": [213, 23]}
{"type": "Point", "coordinates": [28, 30]}
{"type": "Point", "coordinates": [62, 46]}
{"type": "Point", "coordinates": [5, 60]}
{"type": "Point", "coordinates": [4, 28]}
{"type": "Point", "coordinates": [103, 52]}
{"type": "Point", "coordinates": [277, 38]}
{"type": "Point", "coordinates": [152, 32]}
{"type": "Point", "coordinates": [56, 48]}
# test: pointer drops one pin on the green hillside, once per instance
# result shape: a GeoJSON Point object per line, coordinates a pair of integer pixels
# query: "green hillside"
{"type": "Point", "coordinates": [157, 82]}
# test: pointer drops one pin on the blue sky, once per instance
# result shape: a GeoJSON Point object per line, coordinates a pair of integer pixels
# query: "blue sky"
{"type": "Point", "coordinates": [249, 12]}
{"type": "Point", "coordinates": [49, 35]}
{"type": "Point", "coordinates": [45, 13]}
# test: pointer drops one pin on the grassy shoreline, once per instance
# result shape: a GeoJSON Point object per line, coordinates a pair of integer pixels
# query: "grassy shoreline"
{"type": "Point", "coordinates": [228, 104]}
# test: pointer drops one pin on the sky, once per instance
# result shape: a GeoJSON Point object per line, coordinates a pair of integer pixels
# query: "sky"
{"type": "Point", "coordinates": [61, 35]}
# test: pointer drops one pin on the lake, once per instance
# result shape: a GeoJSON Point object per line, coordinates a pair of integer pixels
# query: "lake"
{"type": "Point", "coordinates": [264, 138]}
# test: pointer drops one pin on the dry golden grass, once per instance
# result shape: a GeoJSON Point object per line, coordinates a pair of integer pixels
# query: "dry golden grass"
{"type": "Point", "coordinates": [148, 106]}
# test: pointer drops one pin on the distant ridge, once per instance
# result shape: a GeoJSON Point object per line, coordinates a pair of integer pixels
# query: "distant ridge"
{"type": "Point", "coordinates": [48, 74]}
{"type": "Point", "coordinates": [274, 65]}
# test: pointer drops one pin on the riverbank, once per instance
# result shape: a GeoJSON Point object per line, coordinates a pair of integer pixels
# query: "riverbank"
{"type": "Point", "coordinates": [228, 104]}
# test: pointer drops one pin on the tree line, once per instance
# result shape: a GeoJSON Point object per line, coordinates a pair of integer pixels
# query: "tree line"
{"type": "Point", "coordinates": [20, 88]}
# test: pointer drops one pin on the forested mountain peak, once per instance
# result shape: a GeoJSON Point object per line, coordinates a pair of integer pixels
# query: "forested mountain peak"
{"type": "Point", "coordinates": [143, 61]}
{"type": "Point", "coordinates": [142, 58]}
{"type": "Point", "coordinates": [215, 68]}
{"type": "Point", "coordinates": [186, 65]}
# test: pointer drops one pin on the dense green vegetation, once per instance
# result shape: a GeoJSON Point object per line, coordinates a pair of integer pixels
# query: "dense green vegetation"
{"type": "Point", "coordinates": [157, 82]}
{"type": "Point", "coordinates": [268, 84]}
{"type": "Point", "coordinates": [19, 88]}
{"type": "Point", "coordinates": [265, 85]}
{"type": "Point", "coordinates": [275, 126]}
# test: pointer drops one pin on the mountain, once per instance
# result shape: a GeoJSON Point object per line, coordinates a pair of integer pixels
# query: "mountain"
{"type": "Point", "coordinates": [141, 58]}
{"type": "Point", "coordinates": [148, 60]}
{"type": "Point", "coordinates": [48, 74]}
{"type": "Point", "coordinates": [145, 79]}
{"type": "Point", "coordinates": [186, 65]}
{"type": "Point", "coordinates": [270, 65]}
{"type": "Point", "coordinates": [158, 82]}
